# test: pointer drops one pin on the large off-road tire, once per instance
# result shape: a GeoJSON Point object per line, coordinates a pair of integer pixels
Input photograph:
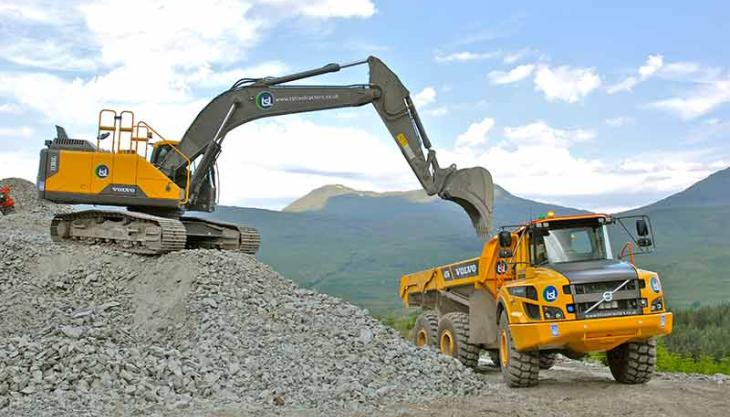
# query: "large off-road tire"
{"type": "Point", "coordinates": [519, 369]}
{"type": "Point", "coordinates": [453, 339]}
{"type": "Point", "coordinates": [633, 362]}
{"type": "Point", "coordinates": [425, 332]}
{"type": "Point", "coordinates": [547, 359]}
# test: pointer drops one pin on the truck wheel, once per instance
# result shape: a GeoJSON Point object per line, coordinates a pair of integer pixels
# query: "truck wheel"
{"type": "Point", "coordinates": [547, 359]}
{"type": "Point", "coordinates": [519, 369]}
{"type": "Point", "coordinates": [633, 362]}
{"type": "Point", "coordinates": [425, 332]}
{"type": "Point", "coordinates": [453, 341]}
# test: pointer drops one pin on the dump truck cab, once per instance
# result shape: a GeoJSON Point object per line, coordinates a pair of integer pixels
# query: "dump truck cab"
{"type": "Point", "coordinates": [552, 285]}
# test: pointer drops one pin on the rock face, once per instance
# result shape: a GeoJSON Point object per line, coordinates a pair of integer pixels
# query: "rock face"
{"type": "Point", "coordinates": [87, 328]}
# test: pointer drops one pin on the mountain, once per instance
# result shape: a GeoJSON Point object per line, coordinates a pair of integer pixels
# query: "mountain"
{"type": "Point", "coordinates": [692, 239]}
{"type": "Point", "coordinates": [317, 199]}
{"type": "Point", "coordinates": [356, 245]}
{"type": "Point", "coordinates": [713, 191]}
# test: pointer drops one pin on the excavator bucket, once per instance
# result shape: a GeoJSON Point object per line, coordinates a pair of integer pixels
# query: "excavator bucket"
{"type": "Point", "coordinates": [473, 190]}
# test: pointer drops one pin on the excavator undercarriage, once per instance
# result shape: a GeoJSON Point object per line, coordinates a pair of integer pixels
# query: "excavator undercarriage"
{"type": "Point", "coordinates": [147, 234]}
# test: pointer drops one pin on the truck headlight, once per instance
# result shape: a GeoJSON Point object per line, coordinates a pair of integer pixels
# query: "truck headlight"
{"type": "Point", "coordinates": [552, 313]}
{"type": "Point", "coordinates": [525, 291]}
{"type": "Point", "coordinates": [657, 304]}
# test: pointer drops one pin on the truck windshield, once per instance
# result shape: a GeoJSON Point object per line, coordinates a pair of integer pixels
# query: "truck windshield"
{"type": "Point", "coordinates": [586, 243]}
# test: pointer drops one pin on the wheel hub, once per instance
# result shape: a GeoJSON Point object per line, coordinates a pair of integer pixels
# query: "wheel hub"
{"type": "Point", "coordinates": [421, 338]}
{"type": "Point", "coordinates": [447, 343]}
{"type": "Point", "coordinates": [503, 354]}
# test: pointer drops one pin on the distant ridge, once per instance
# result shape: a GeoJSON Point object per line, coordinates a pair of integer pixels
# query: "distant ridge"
{"type": "Point", "coordinates": [712, 191]}
{"type": "Point", "coordinates": [318, 198]}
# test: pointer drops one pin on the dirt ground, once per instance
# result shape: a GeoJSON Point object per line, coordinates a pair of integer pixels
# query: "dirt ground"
{"type": "Point", "coordinates": [574, 389]}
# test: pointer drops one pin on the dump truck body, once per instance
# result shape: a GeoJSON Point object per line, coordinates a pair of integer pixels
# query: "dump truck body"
{"type": "Point", "coordinates": [557, 286]}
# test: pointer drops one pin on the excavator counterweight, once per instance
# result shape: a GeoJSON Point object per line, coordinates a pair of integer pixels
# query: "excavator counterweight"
{"type": "Point", "coordinates": [132, 165]}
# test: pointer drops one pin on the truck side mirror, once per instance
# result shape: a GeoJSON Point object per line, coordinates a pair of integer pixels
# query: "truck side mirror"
{"type": "Point", "coordinates": [505, 239]}
{"type": "Point", "coordinates": [641, 228]}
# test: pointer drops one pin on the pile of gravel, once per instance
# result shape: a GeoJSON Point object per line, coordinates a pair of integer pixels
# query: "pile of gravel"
{"type": "Point", "coordinates": [25, 195]}
{"type": "Point", "coordinates": [88, 329]}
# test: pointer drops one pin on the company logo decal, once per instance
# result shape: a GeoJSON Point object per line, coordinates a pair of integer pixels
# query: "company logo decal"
{"type": "Point", "coordinates": [501, 267]}
{"type": "Point", "coordinates": [655, 285]}
{"type": "Point", "coordinates": [102, 171]}
{"type": "Point", "coordinates": [463, 270]}
{"type": "Point", "coordinates": [123, 189]}
{"type": "Point", "coordinates": [607, 296]}
{"type": "Point", "coordinates": [264, 100]}
{"type": "Point", "coordinates": [550, 294]}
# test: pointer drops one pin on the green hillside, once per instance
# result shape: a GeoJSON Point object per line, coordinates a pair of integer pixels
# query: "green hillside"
{"type": "Point", "coordinates": [358, 245]}
{"type": "Point", "coordinates": [692, 230]}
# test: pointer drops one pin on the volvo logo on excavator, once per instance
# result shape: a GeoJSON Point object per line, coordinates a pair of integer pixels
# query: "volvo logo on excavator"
{"type": "Point", "coordinates": [264, 100]}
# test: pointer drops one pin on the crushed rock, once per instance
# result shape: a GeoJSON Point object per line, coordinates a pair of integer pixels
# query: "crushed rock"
{"type": "Point", "coordinates": [91, 331]}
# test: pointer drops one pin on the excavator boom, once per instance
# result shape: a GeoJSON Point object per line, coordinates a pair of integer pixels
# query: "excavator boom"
{"type": "Point", "coordinates": [158, 187]}
{"type": "Point", "coordinates": [251, 99]}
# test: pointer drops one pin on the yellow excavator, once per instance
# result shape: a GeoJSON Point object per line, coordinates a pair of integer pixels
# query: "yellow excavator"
{"type": "Point", "coordinates": [131, 165]}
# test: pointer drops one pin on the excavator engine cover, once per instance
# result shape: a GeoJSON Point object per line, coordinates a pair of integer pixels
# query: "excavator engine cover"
{"type": "Point", "coordinates": [473, 190]}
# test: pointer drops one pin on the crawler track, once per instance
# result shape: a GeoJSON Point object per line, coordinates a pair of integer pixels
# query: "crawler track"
{"type": "Point", "coordinates": [146, 234]}
{"type": "Point", "coordinates": [127, 231]}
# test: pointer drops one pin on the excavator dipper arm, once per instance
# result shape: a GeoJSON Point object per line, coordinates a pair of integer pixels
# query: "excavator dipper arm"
{"type": "Point", "coordinates": [251, 99]}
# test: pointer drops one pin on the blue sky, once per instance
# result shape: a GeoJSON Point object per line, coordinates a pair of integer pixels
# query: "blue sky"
{"type": "Point", "coordinates": [600, 107]}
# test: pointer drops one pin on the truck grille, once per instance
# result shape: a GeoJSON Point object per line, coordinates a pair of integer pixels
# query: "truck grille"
{"type": "Point", "coordinates": [626, 301]}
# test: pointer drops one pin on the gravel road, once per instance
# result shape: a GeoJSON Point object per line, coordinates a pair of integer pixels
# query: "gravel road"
{"type": "Point", "coordinates": [574, 388]}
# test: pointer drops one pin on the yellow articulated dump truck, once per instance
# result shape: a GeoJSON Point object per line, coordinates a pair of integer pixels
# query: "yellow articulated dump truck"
{"type": "Point", "coordinates": [546, 287]}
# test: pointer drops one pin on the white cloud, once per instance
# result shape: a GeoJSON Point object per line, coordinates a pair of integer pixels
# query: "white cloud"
{"type": "Point", "coordinates": [437, 111]}
{"type": "Point", "coordinates": [206, 77]}
{"type": "Point", "coordinates": [653, 64]}
{"type": "Point", "coordinates": [476, 134]}
{"type": "Point", "coordinates": [516, 74]}
{"type": "Point", "coordinates": [424, 97]}
{"type": "Point", "coordinates": [8, 108]}
{"type": "Point", "coordinates": [512, 57]}
{"type": "Point", "coordinates": [45, 54]}
{"type": "Point", "coordinates": [24, 11]}
{"type": "Point", "coordinates": [153, 61]}
{"type": "Point", "coordinates": [566, 83]}
{"type": "Point", "coordinates": [16, 132]}
{"type": "Point", "coordinates": [701, 101]}
{"type": "Point", "coordinates": [466, 56]}
{"type": "Point", "coordinates": [316, 155]}
{"type": "Point", "coordinates": [619, 121]}
{"type": "Point", "coordinates": [328, 8]}
{"type": "Point", "coordinates": [19, 164]}
{"type": "Point", "coordinates": [540, 133]}
{"type": "Point", "coordinates": [537, 153]}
